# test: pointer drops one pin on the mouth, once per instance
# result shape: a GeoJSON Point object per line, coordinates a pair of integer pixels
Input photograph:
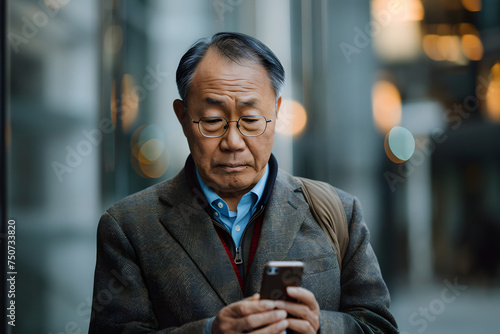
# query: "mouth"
{"type": "Point", "coordinates": [232, 168]}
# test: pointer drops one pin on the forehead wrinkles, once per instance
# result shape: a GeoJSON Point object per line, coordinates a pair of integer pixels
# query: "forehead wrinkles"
{"type": "Point", "coordinates": [218, 72]}
{"type": "Point", "coordinates": [230, 88]}
{"type": "Point", "coordinates": [236, 85]}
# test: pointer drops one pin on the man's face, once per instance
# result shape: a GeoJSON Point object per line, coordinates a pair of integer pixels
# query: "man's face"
{"type": "Point", "coordinates": [231, 164]}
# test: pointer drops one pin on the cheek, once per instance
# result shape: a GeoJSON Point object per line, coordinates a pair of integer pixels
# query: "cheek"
{"type": "Point", "coordinates": [261, 150]}
{"type": "Point", "coordinates": [202, 151]}
{"type": "Point", "coordinates": [268, 140]}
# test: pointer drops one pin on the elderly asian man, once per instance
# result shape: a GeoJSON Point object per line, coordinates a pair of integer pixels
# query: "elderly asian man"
{"type": "Point", "coordinates": [187, 255]}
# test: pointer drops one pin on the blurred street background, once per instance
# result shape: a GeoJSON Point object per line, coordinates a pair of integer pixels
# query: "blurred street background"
{"type": "Point", "coordinates": [395, 101]}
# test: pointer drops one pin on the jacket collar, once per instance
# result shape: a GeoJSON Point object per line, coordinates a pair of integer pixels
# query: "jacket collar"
{"type": "Point", "coordinates": [190, 225]}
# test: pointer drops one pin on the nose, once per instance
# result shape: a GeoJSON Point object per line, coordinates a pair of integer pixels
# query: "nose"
{"type": "Point", "coordinates": [233, 139]}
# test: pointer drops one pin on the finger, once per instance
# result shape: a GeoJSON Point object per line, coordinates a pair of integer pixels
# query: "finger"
{"type": "Point", "coordinates": [259, 320]}
{"type": "Point", "coordinates": [278, 327]}
{"type": "Point", "coordinates": [246, 315]}
{"type": "Point", "coordinates": [306, 309]}
{"type": "Point", "coordinates": [301, 326]}
{"type": "Point", "coordinates": [301, 311]}
{"type": "Point", "coordinates": [249, 306]}
{"type": "Point", "coordinates": [303, 296]}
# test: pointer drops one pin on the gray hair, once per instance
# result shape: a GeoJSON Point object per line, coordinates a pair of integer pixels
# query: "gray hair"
{"type": "Point", "coordinates": [234, 46]}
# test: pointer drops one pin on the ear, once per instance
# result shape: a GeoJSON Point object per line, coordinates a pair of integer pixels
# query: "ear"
{"type": "Point", "coordinates": [179, 109]}
{"type": "Point", "coordinates": [278, 106]}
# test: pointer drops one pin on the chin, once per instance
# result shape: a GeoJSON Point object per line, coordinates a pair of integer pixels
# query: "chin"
{"type": "Point", "coordinates": [236, 182]}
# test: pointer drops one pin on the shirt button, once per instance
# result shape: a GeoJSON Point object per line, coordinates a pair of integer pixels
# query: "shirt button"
{"type": "Point", "coordinates": [237, 228]}
{"type": "Point", "coordinates": [216, 214]}
{"type": "Point", "coordinates": [220, 205]}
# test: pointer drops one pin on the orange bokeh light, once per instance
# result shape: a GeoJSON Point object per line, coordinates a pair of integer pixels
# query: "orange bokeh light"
{"type": "Point", "coordinates": [415, 11]}
{"type": "Point", "coordinates": [149, 155]}
{"type": "Point", "coordinates": [386, 103]}
{"type": "Point", "coordinates": [472, 47]}
{"type": "Point", "coordinates": [449, 47]}
{"type": "Point", "coordinates": [493, 94]}
{"type": "Point", "coordinates": [292, 118]}
{"type": "Point", "coordinates": [472, 5]}
{"type": "Point", "coordinates": [430, 44]}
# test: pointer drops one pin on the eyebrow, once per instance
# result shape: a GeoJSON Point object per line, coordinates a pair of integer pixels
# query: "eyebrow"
{"type": "Point", "coordinates": [211, 101]}
{"type": "Point", "coordinates": [249, 103]}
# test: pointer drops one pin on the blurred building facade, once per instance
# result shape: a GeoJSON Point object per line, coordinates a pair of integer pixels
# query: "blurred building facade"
{"type": "Point", "coordinates": [91, 121]}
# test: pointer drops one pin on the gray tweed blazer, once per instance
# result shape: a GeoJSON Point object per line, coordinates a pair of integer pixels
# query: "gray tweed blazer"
{"type": "Point", "coordinates": [161, 266]}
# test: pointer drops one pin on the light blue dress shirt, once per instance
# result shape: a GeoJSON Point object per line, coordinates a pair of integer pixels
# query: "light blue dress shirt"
{"type": "Point", "coordinates": [235, 222]}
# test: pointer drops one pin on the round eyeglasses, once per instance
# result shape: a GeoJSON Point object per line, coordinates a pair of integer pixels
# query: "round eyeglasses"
{"type": "Point", "coordinates": [215, 127]}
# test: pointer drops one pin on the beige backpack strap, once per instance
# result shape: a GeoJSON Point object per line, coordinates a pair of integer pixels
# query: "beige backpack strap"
{"type": "Point", "coordinates": [328, 211]}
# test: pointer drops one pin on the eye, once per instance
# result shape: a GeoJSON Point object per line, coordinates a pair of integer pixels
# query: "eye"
{"type": "Point", "coordinates": [212, 121]}
{"type": "Point", "coordinates": [211, 125]}
{"type": "Point", "coordinates": [250, 119]}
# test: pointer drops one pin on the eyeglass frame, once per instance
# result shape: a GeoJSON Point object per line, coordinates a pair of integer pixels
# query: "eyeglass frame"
{"type": "Point", "coordinates": [226, 127]}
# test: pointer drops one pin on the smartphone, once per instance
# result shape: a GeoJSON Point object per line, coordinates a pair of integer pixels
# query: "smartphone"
{"type": "Point", "coordinates": [277, 276]}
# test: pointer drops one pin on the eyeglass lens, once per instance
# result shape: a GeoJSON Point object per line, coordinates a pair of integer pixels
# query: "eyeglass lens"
{"type": "Point", "coordinates": [247, 125]}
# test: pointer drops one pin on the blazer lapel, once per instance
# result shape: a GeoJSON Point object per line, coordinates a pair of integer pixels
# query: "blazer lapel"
{"type": "Point", "coordinates": [283, 217]}
{"type": "Point", "coordinates": [193, 229]}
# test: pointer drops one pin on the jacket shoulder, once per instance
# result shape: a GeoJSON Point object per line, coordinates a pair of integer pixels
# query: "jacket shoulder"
{"type": "Point", "coordinates": [147, 200]}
